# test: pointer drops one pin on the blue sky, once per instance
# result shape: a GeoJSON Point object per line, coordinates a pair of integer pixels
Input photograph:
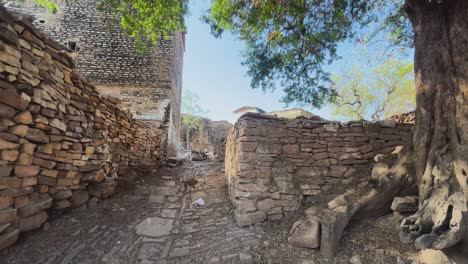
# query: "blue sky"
{"type": "Point", "coordinates": [213, 70]}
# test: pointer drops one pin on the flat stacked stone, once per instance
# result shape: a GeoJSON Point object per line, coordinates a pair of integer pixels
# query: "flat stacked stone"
{"type": "Point", "coordinates": [61, 142]}
{"type": "Point", "coordinates": [272, 163]}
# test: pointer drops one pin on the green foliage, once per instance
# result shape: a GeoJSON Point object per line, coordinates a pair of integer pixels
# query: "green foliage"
{"type": "Point", "coordinates": [193, 113]}
{"type": "Point", "coordinates": [147, 20]}
{"type": "Point", "coordinates": [49, 5]}
{"type": "Point", "coordinates": [290, 42]}
{"type": "Point", "coordinates": [386, 90]}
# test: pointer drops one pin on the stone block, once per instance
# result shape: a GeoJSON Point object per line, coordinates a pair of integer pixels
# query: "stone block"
{"type": "Point", "coordinates": [305, 234]}
{"type": "Point", "coordinates": [9, 182]}
{"type": "Point", "coordinates": [266, 204]}
{"type": "Point", "coordinates": [62, 194]}
{"type": "Point", "coordinates": [290, 149]}
{"type": "Point", "coordinates": [23, 117]}
{"type": "Point", "coordinates": [79, 198]}
{"type": "Point", "coordinates": [244, 205]}
{"type": "Point", "coordinates": [32, 222]}
{"type": "Point", "coordinates": [406, 204]}
{"type": "Point", "coordinates": [28, 148]}
{"type": "Point", "coordinates": [9, 155]}
{"type": "Point", "coordinates": [26, 171]}
{"type": "Point", "coordinates": [93, 176]}
{"type": "Point", "coordinates": [34, 207]}
{"type": "Point", "coordinates": [7, 215]}
{"type": "Point", "coordinates": [8, 239]}
{"type": "Point", "coordinates": [43, 180]}
{"type": "Point", "coordinates": [24, 159]}
{"type": "Point", "coordinates": [21, 201]}
{"type": "Point", "coordinates": [5, 202]}
{"type": "Point", "coordinates": [13, 99]}
{"type": "Point", "coordinates": [246, 219]}
{"type": "Point", "coordinates": [9, 137]}
{"type": "Point", "coordinates": [60, 205]}
{"type": "Point", "coordinates": [7, 111]}
{"type": "Point", "coordinates": [5, 145]}
{"type": "Point", "coordinates": [37, 135]}
{"type": "Point", "coordinates": [19, 130]}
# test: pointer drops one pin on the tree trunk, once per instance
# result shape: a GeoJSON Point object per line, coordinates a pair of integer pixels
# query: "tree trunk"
{"type": "Point", "coordinates": [440, 137]}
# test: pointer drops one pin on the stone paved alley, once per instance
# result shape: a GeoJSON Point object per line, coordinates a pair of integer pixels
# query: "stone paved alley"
{"type": "Point", "coordinates": [155, 222]}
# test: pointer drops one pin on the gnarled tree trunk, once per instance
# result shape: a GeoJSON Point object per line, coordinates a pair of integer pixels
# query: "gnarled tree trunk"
{"type": "Point", "coordinates": [441, 126]}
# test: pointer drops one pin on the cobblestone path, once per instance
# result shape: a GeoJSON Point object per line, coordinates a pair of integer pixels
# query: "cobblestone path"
{"type": "Point", "coordinates": [156, 223]}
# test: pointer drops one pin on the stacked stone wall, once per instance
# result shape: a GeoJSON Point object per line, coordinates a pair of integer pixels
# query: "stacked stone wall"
{"type": "Point", "coordinates": [62, 144]}
{"type": "Point", "coordinates": [149, 84]}
{"type": "Point", "coordinates": [272, 163]}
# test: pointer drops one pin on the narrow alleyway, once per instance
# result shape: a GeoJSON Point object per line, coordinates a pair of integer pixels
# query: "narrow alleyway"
{"type": "Point", "coordinates": [156, 222]}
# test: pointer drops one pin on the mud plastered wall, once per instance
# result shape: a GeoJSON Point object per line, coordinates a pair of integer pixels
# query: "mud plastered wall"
{"type": "Point", "coordinates": [62, 144]}
{"type": "Point", "coordinates": [272, 163]}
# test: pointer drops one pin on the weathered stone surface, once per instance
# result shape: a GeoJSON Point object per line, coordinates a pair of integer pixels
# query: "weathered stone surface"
{"type": "Point", "coordinates": [245, 219]}
{"type": "Point", "coordinates": [9, 155]}
{"type": "Point", "coordinates": [405, 204]}
{"type": "Point", "coordinates": [27, 171]}
{"type": "Point", "coordinates": [7, 111]}
{"type": "Point", "coordinates": [35, 207]}
{"type": "Point", "coordinates": [60, 205]}
{"type": "Point", "coordinates": [79, 198]}
{"type": "Point", "coordinates": [93, 176]}
{"type": "Point", "coordinates": [305, 234]}
{"type": "Point", "coordinates": [23, 117]}
{"type": "Point", "coordinates": [13, 99]}
{"type": "Point", "coordinates": [5, 145]}
{"type": "Point", "coordinates": [154, 227]}
{"type": "Point", "coordinates": [7, 215]}
{"type": "Point", "coordinates": [8, 239]}
{"type": "Point", "coordinates": [430, 256]}
{"type": "Point", "coordinates": [5, 171]}
{"type": "Point", "coordinates": [32, 222]}
{"type": "Point", "coordinates": [9, 182]}
{"type": "Point", "coordinates": [269, 157]}
{"type": "Point", "coordinates": [244, 205]}
{"type": "Point", "coordinates": [62, 195]}
{"type": "Point", "coordinates": [37, 135]}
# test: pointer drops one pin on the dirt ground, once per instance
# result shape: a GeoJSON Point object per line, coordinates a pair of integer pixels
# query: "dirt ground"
{"type": "Point", "coordinates": [156, 222]}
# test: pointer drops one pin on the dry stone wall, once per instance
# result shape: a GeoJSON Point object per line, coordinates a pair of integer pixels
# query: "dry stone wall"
{"type": "Point", "coordinates": [148, 84]}
{"type": "Point", "coordinates": [62, 144]}
{"type": "Point", "coordinates": [272, 163]}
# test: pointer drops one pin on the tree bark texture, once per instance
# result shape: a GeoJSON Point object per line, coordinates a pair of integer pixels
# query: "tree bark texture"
{"type": "Point", "coordinates": [440, 138]}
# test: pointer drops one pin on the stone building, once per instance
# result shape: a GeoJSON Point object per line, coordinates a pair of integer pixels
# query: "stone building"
{"type": "Point", "coordinates": [247, 109]}
{"type": "Point", "coordinates": [211, 137]}
{"type": "Point", "coordinates": [294, 113]}
{"type": "Point", "coordinates": [149, 84]}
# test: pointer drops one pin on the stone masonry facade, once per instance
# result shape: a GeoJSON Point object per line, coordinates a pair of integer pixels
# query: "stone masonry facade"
{"type": "Point", "coordinates": [62, 144]}
{"type": "Point", "coordinates": [149, 84]}
{"type": "Point", "coordinates": [273, 163]}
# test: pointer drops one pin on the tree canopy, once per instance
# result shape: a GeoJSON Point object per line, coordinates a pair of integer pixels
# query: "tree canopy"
{"type": "Point", "coordinates": [288, 43]}
{"type": "Point", "coordinates": [192, 112]}
{"type": "Point", "coordinates": [376, 92]}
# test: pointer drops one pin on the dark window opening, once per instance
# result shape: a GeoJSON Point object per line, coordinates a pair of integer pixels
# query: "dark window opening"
{"type": "Point", "coordinates": [73, 45]}
{"type": "Point", "coordinates": [42, 21]}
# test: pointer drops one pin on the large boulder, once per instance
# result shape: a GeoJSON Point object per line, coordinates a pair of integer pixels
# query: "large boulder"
{"type": "Point", "coordinates": [305, 234]}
